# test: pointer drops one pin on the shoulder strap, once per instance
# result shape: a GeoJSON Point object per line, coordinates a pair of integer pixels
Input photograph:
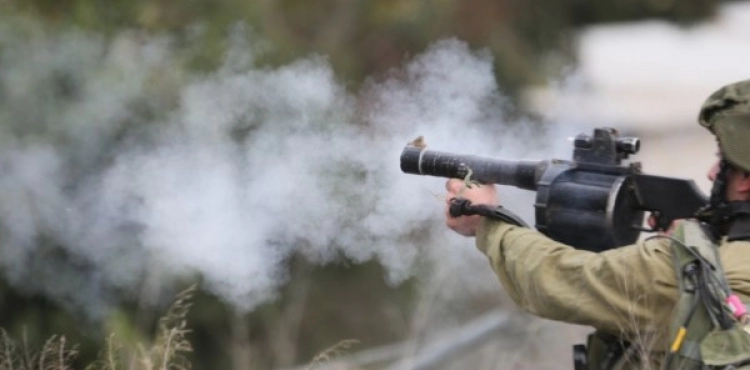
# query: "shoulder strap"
{"type": "Point", "coordinates": [703, 291]}
{"type": "Point", "coordinates": [695, 237]}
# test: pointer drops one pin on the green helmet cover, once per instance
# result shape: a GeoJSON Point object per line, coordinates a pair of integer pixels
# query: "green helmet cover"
{"type": "Point", "coordinates": [726, 113]}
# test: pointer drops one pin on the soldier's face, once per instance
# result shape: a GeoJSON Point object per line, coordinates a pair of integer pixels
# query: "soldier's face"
{"type": "Point", "coordinates": [738, 183]}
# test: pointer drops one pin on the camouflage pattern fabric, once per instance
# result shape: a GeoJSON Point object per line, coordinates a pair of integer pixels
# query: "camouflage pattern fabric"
{"type": "Point", "coordinates": [726, 113]}
{"type": "Point", "coordinates": [630, 292]}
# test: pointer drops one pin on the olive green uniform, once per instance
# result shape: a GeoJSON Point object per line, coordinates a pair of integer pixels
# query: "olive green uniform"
{"type": "Point", "coordinates": [629, 292]}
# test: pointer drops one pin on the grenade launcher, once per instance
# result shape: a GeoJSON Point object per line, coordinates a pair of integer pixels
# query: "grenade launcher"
{"type": "Point", "coordinates": [592, 202]}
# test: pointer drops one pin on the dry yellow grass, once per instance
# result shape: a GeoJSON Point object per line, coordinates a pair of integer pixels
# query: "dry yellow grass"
{"type": "Point", "coordinates": [332, 353]}
{"type": "Point", "coordinates": [167, 352]}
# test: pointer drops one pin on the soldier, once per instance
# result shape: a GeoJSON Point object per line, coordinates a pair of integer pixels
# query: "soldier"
{"type": "Point", "coordinates": [635, 296]}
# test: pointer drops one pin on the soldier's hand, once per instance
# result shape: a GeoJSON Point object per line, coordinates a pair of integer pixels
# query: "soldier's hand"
{"type": "Point", "coordinates": [651, 222]}
{"type": "Point", "coordinates": [477, 194]}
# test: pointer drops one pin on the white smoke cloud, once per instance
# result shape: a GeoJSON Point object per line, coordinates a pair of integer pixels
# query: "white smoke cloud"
{"type": "Point", "coordinates": [135, 171]}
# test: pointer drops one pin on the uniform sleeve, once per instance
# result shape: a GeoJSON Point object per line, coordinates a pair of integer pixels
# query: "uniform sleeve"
{"type": "Point", "coordinates": [735, 260]}
{"type": "Point", "coordinates": [626, 290]}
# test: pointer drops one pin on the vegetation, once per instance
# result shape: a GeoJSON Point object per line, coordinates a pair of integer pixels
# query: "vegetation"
{"type": "Point", "coordinates": [166, 352]}
{"type": "Point", "coordinates": [363, 37]}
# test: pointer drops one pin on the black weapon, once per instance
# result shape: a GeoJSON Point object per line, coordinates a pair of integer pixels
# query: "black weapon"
{"type": "Point", "coordinates": [592, 202]}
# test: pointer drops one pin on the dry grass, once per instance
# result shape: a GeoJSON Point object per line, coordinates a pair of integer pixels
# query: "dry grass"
{"type": "Point", "coordinates": [331, 354]}
{"type": "Point", "coordinates": [167, 352]}
{"type": "Point", "coordinates": [171, 343]}
{"type": "Point", "coordinates": [55, 354]}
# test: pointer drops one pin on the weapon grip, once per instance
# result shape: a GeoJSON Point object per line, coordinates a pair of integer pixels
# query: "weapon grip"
{"type": "Point", "coordinates": [463, 207]}
{"type": "Point", "coordinates": [668, 199]}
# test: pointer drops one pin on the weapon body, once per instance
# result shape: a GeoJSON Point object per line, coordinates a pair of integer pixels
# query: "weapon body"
{"type": "Point", "coordinates": [592, 202]}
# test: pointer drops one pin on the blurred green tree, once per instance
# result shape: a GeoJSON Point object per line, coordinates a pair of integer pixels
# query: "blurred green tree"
{"type": "Point", "coordinates": [366, 37]}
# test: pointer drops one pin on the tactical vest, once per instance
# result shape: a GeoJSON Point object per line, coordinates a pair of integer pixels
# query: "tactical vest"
{"type": "Point", "coordinates": [709, 328]}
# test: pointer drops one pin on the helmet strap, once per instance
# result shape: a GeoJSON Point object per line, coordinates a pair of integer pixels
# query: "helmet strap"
{"type": "Point", "coordinates": [717, 213]}
{"type": "Point", "coordinates": [719, 189]}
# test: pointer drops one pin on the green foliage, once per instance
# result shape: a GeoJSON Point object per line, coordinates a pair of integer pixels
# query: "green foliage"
{"type": "Point", "coordinates": [362, 37]}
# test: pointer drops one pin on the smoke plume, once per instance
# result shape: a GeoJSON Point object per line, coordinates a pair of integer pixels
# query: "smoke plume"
{"type": "Point", "coordinates": [122, 169]}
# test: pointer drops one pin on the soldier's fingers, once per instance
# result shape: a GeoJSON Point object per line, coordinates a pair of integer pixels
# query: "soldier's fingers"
{"type": "Point", "coordinates": [454, 186]}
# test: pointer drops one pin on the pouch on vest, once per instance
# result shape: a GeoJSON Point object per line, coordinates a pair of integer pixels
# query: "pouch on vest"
{"type": "Point", "coordinates": [704, 333]}
{"type": "Point", "coordinates": [727, 349]}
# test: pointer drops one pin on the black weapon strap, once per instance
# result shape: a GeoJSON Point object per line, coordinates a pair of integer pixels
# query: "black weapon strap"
{"type": "Point", "coordinates": [463, 207]}
{"type": "Point", "coordinates": [717, 213]}
{"type": "Point", "coordinates": [739, 229]}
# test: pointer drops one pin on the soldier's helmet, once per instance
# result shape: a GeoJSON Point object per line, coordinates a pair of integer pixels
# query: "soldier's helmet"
{"type": "Point", "coordinates": [727, 114]}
